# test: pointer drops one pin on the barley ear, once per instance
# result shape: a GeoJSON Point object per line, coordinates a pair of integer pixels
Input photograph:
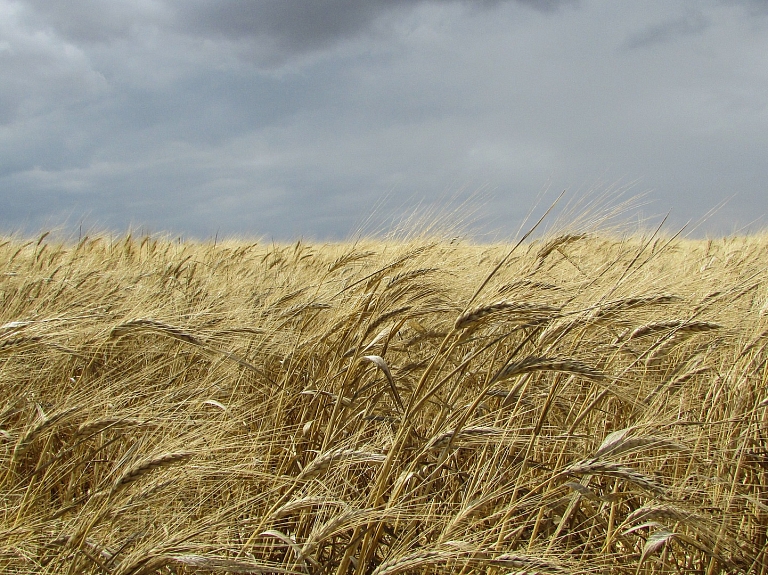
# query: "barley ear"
{"type": "Point", "coordinates": [145, 467]}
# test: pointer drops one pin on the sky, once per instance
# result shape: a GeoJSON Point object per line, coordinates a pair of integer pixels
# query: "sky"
{"type": "Point", "coordinates": [322, 119]}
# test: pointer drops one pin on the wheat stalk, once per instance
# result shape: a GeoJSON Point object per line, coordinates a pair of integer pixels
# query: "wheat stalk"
{"type": "Point", "coordinates": [525, 311]}
{"type": "Point", "coordinates": [414, 561]}
{"type": "Point", "coordinates": [146, 467]}
{"type": "Point", "coordinates": [225, 564]}
{"type": "Point", "coordinates": [148, 324]}
{"type": "Point", "coordinates": [304, 503]}
{"type": "Point", "coordinates": [95, 426]}
{"type": "Point", "coordinates": [677, 325]}
{"type": "Point", "coordinates": [535, 363]}
{"type": "Point", "coordinates": [323, 461]}
{"type": "Point", "coordinates": [45, 423]}
{"type": "Point", "coordinates": [611, 469]}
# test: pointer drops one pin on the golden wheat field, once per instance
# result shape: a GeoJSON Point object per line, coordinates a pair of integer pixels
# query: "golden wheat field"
{"type": "Point", "coordinates": [581, 403]}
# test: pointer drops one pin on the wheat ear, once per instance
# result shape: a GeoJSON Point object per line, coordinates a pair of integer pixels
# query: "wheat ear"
{"type": "Point", "coordinates": [563, 365]}
{"type": "Point", "coordinates": [530, 311]}
{"type": "Point", "coordinates": [145, 467]}
{"type": "Point", "coordinates": [414, 562]}
{"type": "Point", "coordinates": [323, 461]}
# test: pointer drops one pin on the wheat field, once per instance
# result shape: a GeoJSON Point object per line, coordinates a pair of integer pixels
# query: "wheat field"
{"type": "Point", "coordinates": [581, 403]}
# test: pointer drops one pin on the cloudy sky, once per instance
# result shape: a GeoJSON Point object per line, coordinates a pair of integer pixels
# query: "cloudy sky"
{"type": "Point", "coordinates": [299, 118]}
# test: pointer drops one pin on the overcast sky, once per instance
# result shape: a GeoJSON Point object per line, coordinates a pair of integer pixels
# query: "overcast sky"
{"type": "Point", "coordinates": [300, 118]}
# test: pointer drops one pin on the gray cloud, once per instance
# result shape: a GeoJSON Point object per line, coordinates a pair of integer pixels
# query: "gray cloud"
{"type": "Point", "coordinates": [86, 21]}
{"type": "Point", "coordinates": [691, 24]}
{"type": "Point", "coordinates": [200, 117]}
{"type": "Point", "coordinates": [300, 24]}
{"type": "Point", "coordinates": [290, 26]}
{"type": "Point", "coordinates": [295, 26]}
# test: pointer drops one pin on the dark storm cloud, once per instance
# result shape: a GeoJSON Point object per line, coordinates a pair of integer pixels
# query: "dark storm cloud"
{"type": "Point", "coordinates": [299, 25]}
{"type": "Point", "coordinates": [302, 25]}
{"type": "Point", "coordinates": [295, 25]}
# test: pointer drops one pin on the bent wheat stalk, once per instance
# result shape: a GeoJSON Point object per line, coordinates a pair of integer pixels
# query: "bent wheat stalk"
{"type": "Point", "coordinates": [533, 364]}
{"type": "Point", "coordinates": [146, 467]}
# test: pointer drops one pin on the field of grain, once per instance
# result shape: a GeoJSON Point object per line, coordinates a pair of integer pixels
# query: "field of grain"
{"type": "Point", "coordinates": [579, 404]}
